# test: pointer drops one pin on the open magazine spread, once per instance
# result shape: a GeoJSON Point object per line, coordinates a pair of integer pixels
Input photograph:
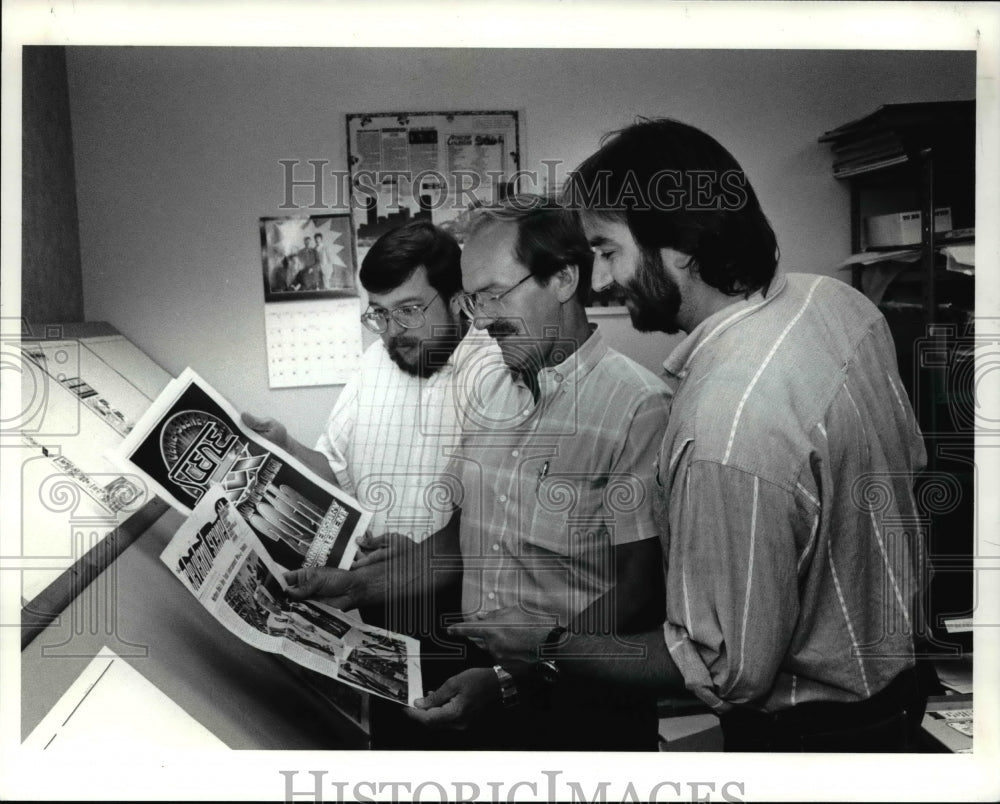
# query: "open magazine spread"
{"type": "Point", "coordinates": [192, 439]}
{"type": "Point", "coordinates": [217, 556]}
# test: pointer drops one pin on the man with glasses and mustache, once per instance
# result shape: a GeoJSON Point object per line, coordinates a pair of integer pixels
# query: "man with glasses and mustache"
{"type": "Point", "coordinates": [794, 561]}
{"type": "Point", "coordinates": [555, 501]}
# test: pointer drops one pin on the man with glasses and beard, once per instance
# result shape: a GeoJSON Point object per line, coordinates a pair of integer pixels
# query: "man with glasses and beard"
{"type": "Point", "coordinates": [388, 437]}
{"type": "Point", "coordinates": [555, 500]}
{"type": "Point", "coordinates": [795, 567]}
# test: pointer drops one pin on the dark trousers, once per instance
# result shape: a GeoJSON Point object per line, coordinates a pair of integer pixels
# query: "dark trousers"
{"type": "Point", "coordinates": [889, 721]}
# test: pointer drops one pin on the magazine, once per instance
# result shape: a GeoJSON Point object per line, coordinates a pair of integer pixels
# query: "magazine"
{"type": "Point", "coordinates": [220, 560]}
{"type": "Point", "coordinates": [191, 439]}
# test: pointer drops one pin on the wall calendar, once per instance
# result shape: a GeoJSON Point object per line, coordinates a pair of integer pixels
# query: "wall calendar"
{"type": "Point", "coordinates": [312, 342]}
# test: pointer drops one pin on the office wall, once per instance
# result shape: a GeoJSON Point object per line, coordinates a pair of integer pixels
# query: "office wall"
{"type": "Point", "coordinates": [51, 278]}
{"type": "Point", "coordinates": [177, 157]}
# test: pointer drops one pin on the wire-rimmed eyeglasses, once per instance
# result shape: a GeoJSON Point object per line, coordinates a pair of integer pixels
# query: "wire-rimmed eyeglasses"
{"type": "Point", "coordinates": [485, 304]}
{"type": "Point", "coordinates": [410, 316]}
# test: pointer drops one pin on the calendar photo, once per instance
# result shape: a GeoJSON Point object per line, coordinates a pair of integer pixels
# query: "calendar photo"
{"type": "Point", "coordinates": [307, 258]}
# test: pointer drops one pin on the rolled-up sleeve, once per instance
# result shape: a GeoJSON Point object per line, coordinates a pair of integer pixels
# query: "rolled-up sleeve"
{"type": "Point", "coordinates": [732, 601]}
{"type": "Point", "coordinates": [632, 500]}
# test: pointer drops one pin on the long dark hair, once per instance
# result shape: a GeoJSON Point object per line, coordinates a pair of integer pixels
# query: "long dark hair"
{"type": "Point", "coordinates": [676, 187]}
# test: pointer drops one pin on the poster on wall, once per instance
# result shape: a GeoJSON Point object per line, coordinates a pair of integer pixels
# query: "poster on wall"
{"type": "Point", "coordinates": [431, 166]}
{"type": "Point", "coordinates": [307, 257]}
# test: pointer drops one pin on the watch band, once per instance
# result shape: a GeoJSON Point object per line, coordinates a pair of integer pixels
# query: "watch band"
{"type": "Point", "coordinates": [554, 638]}
{"type": "Point", "coordinates": [508, 689]}
{"type": "Point", "coordinates": [546, 666]}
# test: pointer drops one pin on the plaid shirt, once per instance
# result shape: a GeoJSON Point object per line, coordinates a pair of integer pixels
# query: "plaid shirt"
{"type": "Point", "coordinates": [389, 434]}
{"type": "Point", "coordinates": [791, 537]}
{"type": "Point", "coordinates": [553, 487]}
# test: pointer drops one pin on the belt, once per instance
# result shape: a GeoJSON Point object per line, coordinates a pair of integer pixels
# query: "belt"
{"type": "Point", "coordinates": [883, 722]}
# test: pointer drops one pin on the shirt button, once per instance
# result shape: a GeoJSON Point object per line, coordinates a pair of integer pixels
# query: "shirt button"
{"type": "Point", "coordinates": [515, 453]}
{"type": "Point", "coordinates": [502, 498]}
{"type": "Point", "coordinates": [491, 596]}
{"type": "Point", "coordinates": [559, 377]}
{"type": "Point", "coordinates": [496, 547]}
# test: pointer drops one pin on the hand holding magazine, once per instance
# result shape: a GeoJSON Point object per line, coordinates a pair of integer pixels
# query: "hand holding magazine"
{"type": "Point", "coordinates": [220, 560]}
{"type": "Point", "coordinates": [255, 511]}
{"type": "Point", "coordinates": [191, 438]}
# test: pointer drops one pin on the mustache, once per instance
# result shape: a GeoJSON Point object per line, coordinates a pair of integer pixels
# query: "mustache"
{"type": "Point", "coordinates": [403, 342]}
{"type": "Point", "coordinates": [501, 328]}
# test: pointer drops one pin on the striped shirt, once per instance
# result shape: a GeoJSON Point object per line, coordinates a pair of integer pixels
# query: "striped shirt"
{"type": "Point", "coordinates": [791, 538]}
{"type": "Point", "coordinates": [389, 434]}
{"type": "Point", "coordinates": [551, 490]}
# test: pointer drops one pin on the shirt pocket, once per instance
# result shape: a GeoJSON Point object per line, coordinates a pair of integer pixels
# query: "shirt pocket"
{"type": "Point", "coordinates": [569, 517]}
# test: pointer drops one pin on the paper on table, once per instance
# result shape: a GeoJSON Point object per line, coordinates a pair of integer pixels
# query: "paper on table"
{"type": "Point", "coordinates": [872, 257]}
{"type": "Point", "coordinates": [112, 708]}
{"type": "Point", "coordinates": [961, 258]}
{"type": "Point", "coordinates": [955, 672]}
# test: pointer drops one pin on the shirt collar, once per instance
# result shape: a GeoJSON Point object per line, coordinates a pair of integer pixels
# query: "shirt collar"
{"type": "Point", "coordinates": [679, 362]}
{"type": "Point", "coordinates": [577, 365]}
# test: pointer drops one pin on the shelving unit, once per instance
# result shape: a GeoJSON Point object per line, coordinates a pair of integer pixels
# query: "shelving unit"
{"type": "Point", "coordinates": [921, 156]}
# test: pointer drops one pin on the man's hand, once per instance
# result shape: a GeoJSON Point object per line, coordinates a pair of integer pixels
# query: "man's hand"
{"type": "Point", "coordinates": [458, 702]}
{"type": "Point", "coordinates": [509, 634]}
{"type": "Point", "coordinates": [373, 549]}
{"type": "Point", "coordinates": [273, 431]}
{"type": "Point", "coordinates": [339, 588]}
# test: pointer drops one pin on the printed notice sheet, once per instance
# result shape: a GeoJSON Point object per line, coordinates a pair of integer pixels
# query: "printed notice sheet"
{"type": "Point", "coordinates": [191, 439]}
{"type": "Point", "coordinates": [220, 560]}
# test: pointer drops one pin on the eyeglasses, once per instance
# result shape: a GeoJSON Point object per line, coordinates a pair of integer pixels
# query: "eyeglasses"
{"type": "Point", "coordinates": [412, 316]}
{"type": "Point", "coordinates": [486, 304]}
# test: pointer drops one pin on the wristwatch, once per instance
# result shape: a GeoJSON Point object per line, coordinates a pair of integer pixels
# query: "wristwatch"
{"type": "Point", "coordinates": [547, 668]}
{"type": "Point", "coordinates": [508, 689]}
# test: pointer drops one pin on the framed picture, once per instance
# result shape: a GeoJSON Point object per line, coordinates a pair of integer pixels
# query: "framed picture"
{"type": "Point", "coordinates": [307, 258]}
{"type": "Point", "coordinates": [431, 166]}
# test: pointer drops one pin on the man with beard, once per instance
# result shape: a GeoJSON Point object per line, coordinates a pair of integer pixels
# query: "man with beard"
{"type": "Point", "coordinates": [793, 579]}
{"type": "Point", "coordinates": [555, 500]}
{"type": "Point", "coordinates": [388, 436]}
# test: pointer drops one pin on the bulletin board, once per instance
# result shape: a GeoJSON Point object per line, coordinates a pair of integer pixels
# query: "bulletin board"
{"type": "Point", "coordinates": [429, 166]}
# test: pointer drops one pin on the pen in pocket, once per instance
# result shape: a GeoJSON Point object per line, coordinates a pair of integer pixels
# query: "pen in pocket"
{"type": "Point", "coordinates": [541, 475]}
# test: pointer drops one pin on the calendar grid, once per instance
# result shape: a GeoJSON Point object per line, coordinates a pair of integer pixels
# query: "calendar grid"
{"type": "Point", "coordinates": [312, 343]}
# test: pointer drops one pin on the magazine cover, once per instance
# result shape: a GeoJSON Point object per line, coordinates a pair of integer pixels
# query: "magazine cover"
{"type": "Point", "coordinates": [216, 555]}
{"type": "Point", "coordinates": [192, 439]}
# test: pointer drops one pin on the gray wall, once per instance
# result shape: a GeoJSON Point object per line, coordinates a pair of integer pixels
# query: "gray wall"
{"type": "Point", "coordinates": [177, 155]}
{"type": "Point", "coordinates": [51, 280]}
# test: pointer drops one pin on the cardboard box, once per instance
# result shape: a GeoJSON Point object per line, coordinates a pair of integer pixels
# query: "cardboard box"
{"type": "Point", "coordinates": [902, 228]}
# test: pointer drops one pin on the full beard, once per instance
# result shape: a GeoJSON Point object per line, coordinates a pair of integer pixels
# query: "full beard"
{"type": "Point", "coordinates": [423, 357]}
{"type": "Point", "coordinates": [652, 296]}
